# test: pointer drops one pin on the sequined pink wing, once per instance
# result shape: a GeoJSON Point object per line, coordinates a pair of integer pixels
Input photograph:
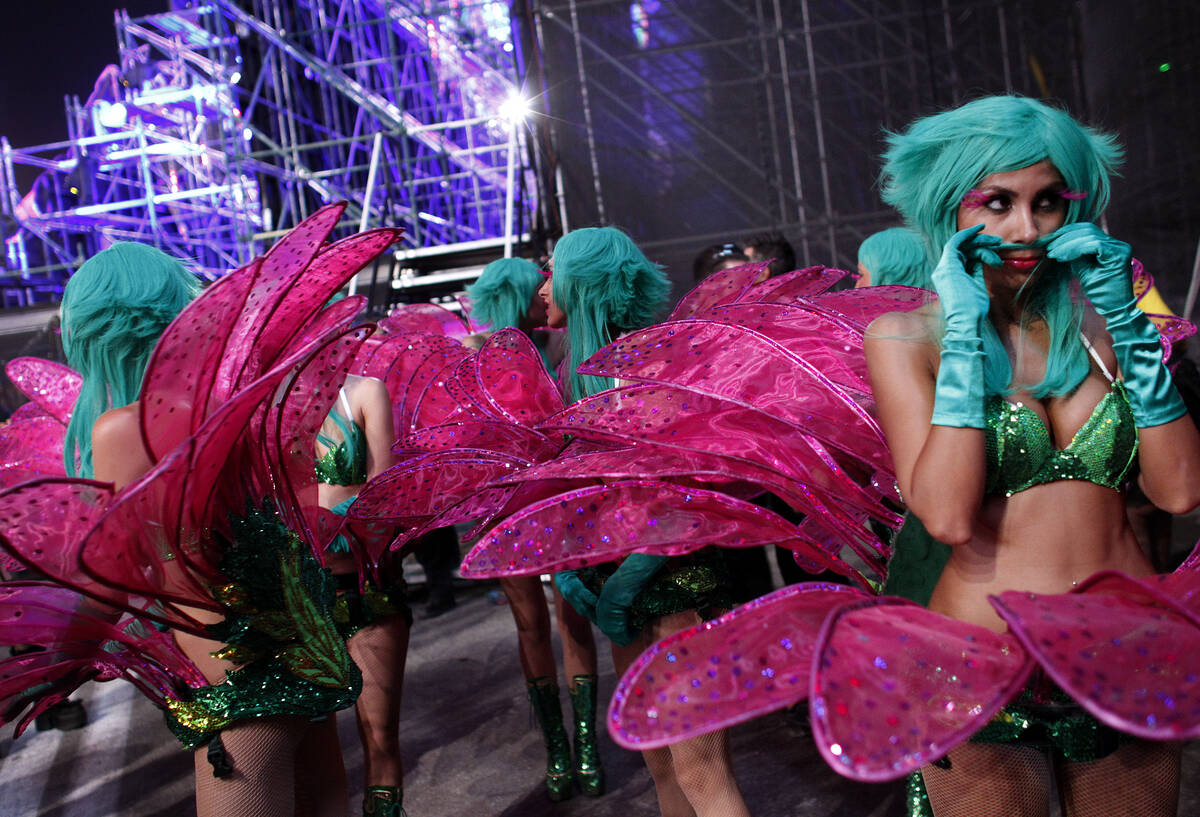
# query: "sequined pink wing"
{"type": "Point", "coordinates": [291, 430]}
{"type": "Point", "coordinates": [753, 660]}
{"type": "Point", "coordinates": [600, 523]}
{"type": "Point", "coordinates": [27, 411]}
{"type": "Point", "coordinates": [35, 444]}
{"type": "Point", "coordinates": [794, 285]}
{"type": "Point", "coordinates": [1126, 650]}
{"type": "Point", "coordinates": [721, 287]}
{"type": "Point", "coordinates": [50, 385]}
{"type": "Point", "coordinates": [514, 380]}
{"type": "Point", "coordinates": [748, 368]}
{"type": "Point", "coordinates": [426, 317]}
{"type": "Point", "coordinates": [896, 686]}
{"type": "Point", "coordinates": [861, 306]}
{"type": "Point", "coordinates": [489, 435]}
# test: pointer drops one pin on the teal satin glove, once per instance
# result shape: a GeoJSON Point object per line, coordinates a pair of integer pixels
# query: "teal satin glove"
{"type": "Point", "coordinates": [576, 593]}
{"type": "Point", "coordinates": [618, 593]}
{"type": "Point", "coordinates": [1102, 265]}
{"type": "Point", "coordinates": [958, 398]}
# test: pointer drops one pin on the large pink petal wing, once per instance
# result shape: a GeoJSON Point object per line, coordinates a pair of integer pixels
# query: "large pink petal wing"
{"type": "Point", "coordinates": [600, 523]}
{"type": "Point", "coordinates": [861, 306]}
{"type": "Point", "coordinates": [896, 686]}
{"type": "Point", "coordinates": [35, 444]}
{"type": "Point", "coordinates": [680, 419]}
{"type": "Point", "coordinates": [44, 522]}
{"type": "Point", "coordinates": [488, 435]}
{"type": "Point", "coordinates": [721, 287]}
{"type": "Point", "coordinates": [745, 367]}
{"type": "Point", "coordinates": [281, 267]}
{"type": "Point", "coordinates": [445, 400]}
{"type": "Point", "coordinates": [413, 361]}
{"type": "Point", "coordinates": [794, 285]}
{"type": "Point", "coordinates": [408, 318]}
{"type": "Point", "coordinates": [513, 378]}
{"type": "Point", "coordinates": [292, 424]}
{"type": "Point", "coordinates": [753, 660]}
{"type": "Point", "coordinates": [181, 378]}
{"type": "Point", "coordinates": [50, 385]}
{"type": "Point", "coordinates": [423, 487]}
{"type": "Point", "coordinates": [1123, 649]}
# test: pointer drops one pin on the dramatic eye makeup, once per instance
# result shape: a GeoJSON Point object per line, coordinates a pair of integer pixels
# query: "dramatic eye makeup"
{"type": "Point", "coordinates": [999, 199]}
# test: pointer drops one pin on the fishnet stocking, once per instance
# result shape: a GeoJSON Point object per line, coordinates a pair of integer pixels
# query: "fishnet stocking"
{"type": "Point", "coordinates": [1138, 780]}
{"type": "Point", "coordinates": [986, 780]}
{"type": "Point", "coordinates": [692, 778]}
{"type": "Point", "coordinates": [380, 651]}
{"type": "Point", "coordinates": [263, 756]}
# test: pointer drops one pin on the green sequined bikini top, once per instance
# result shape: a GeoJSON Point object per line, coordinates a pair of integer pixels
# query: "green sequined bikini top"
{"type": "Point", "coordinates": [345, 463]}
{"type": "Point", "coordinates": [1020, 453]}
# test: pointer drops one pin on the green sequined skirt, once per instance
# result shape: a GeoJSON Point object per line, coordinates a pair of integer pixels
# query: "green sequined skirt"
{"type": "Point", "coordinates": [699, 581]}
{"type": "Point", "coordinates": [278, 628]}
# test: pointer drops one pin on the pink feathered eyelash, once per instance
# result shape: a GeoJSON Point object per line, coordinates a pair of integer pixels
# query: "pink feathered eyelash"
{"type": "Point", "coordinates": [974, 199]}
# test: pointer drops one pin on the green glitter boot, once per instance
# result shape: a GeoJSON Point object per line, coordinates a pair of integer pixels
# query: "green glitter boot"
{"type": "Point", "coordinates": [543, 694]}
{"type": "Point", "coordinates": [587, 751]}
{"type": "Point", "coordinates": [383, 801]}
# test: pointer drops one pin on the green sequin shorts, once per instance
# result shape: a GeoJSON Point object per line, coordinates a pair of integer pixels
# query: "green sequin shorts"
{"type": "Point", "coordinates": [699, 581]}
{"type": "Point", "coordinates": [356, 608]}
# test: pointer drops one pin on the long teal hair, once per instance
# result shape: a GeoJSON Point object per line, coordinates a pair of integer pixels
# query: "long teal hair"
{"type": "Point", "coordinates": [931, 166]}
{"type": "Point", "coordinates": [606, 287]}
{"type": "Point", "coordinates": [114, 310]}
{"type": "Point", "coordinates": [896, 256]}
{"type": "Point", "coordinates": [501, 294]}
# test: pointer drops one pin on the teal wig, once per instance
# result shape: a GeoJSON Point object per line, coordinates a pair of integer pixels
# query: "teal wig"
{"type": "Point", "coordinates": [501, 295]}
{"type": "Point", "coordinates": [931, 166]}
{"type": "Point", "coordinates": [896, 256]}
{"type": "Point", "coordinates": [114, 310]}
{"type": "Point", "coordinates": [606, 287]}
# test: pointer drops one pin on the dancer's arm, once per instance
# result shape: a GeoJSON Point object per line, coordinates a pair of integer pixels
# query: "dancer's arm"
{"type": "Point", "coordinates": [1169, 445]}
{"type": "Point", "coordinates": [372, 398]}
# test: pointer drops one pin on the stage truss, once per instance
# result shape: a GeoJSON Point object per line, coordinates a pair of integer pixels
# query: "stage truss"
{"type": "Point", "coordinates": [224, 124]}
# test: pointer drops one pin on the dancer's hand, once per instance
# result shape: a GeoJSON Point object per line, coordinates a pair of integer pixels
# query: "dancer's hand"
{"type": "Point", "coordinates": [958, 395]}
{"type": "Point", "coordinates": [958, 277]}
{"type": "Point", "coordinates": [1100, 262]}
{"type": "Point", "coordinates": [576, 593]}
{"type": "Point", "coordinates": [618, 593]}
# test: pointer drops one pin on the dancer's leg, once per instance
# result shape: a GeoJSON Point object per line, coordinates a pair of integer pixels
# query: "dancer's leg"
{"type": "Point", "coordinates": [1139, 779]}
{"type": "Point", "coordinates": [262, 782]}
{"type": "Point", "coordinates": [672, 802]}
{"type": "Point", "coordinates": [320, 776]}
{"type": "Point", "coordinates": [380, 651]}
{"type": "Point", "coordinates": [987, 779]}
{"type": "Point", "coordinates": [578, 642]}
{"type": "Point", "coordinates": [703, 767]}
{"type": "Point", "coordinates": [527, 601]}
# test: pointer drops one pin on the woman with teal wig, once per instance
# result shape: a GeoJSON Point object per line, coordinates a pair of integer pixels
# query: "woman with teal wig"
{"type": "Point", "coordinates": [895, 256]}
{"type": "Point", "coordinates": [1014, 412]}
{"type": "Point", "coordinates": [114, 309]}
{"type": "Point", "coordinates": [602, 287]}
{"type": "Point", "coordinates": [506, 295]}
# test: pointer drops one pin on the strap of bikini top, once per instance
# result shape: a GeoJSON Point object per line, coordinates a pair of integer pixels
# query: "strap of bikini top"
{"type": "Point", "coordinates": [1087, 344]}
{"type": "Point", "coordinates": [346, 403]}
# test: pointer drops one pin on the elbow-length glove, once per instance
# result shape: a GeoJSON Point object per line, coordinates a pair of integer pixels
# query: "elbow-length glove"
{"type": "Point", "coordinates": [1102, 265]}
{"type": "Point", "coordinates": [618, 593]}
{"type": "Point", "coordinates": [958, 281]}
{"type": "Point", "coordinates": [576, 593]}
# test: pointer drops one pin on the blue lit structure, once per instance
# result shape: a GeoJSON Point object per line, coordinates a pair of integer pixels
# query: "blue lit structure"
{"type": "Point", "coordinates": [225, 123]}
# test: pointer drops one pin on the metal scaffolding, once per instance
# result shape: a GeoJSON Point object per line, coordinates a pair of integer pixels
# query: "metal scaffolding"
{"type": "Point", "coordinates": [225, 123]}
{"type": "Point", "coordinates": [697, 122]}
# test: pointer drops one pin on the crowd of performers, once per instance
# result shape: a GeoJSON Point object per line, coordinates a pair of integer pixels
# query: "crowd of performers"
{"type": "Point", "coordinates": [213, 500]}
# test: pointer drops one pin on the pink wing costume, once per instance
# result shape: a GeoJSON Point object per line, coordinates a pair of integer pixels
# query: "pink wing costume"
{"type": "Point", "coordinates": [752, 388]}
{"type": "Point", "coordinates": [230, 403]}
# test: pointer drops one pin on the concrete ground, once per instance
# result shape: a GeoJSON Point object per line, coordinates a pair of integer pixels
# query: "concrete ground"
{"type": "Point", "coordinates": [470, 747]}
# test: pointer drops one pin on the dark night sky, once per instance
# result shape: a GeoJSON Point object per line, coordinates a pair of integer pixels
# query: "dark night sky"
{"type": "Point", "coordinates": [50, 48]}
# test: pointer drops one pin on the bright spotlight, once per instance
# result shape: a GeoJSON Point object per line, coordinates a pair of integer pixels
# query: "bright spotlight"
{"type": "Point", "coordinates": [111, 115]}
{"type": "Point", "coordinates": [515, 108]}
